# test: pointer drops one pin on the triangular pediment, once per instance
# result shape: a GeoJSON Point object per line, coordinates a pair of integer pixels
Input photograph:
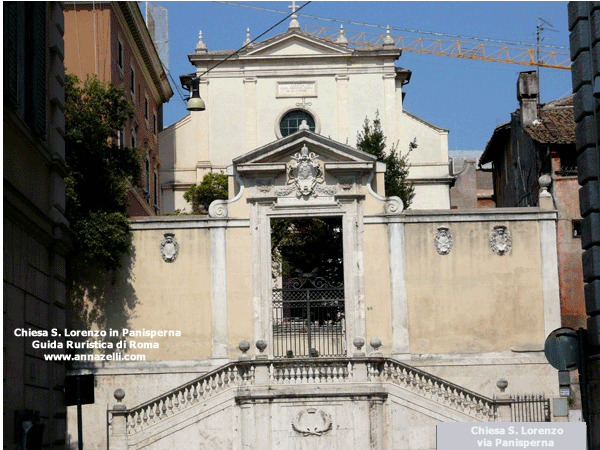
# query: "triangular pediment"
{"type": "Point", "coordinates": [328, 151]}
{"type": "Point", "coordinates": [297, 43]}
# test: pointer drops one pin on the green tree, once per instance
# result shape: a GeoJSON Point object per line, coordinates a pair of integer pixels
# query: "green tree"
{"type": "Point", "coordinates": [308, 245]}
{"type": "Point", "coordinates": [98, 171]}
{"type": "Point", "coordinates": [213, 187]}
{"type": "Point", "coordinates": [372, 140]}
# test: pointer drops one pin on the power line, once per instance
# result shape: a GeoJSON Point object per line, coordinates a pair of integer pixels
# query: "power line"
{"type": "Point", "coordinates": [407, 30]}
{"type": "Point", "coordinates": [256, 38]}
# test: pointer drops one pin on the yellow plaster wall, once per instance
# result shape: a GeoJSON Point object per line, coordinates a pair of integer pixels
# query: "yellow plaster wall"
{"type": "Point", "coordinates": [377, 285]}
{"type": "Point", "coordinates": [173, 296]}
{"type": "Point", "coordinates": [239, 288]}
{"type": "Point", "coordinates": [473, 300]}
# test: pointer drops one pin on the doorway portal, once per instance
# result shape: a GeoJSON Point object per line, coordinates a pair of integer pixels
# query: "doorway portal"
{"type": "Point", "coordinates": [308, 287]}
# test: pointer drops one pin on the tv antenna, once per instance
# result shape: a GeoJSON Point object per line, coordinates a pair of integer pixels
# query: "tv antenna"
{"type": "Point", "coordinates": [543, 25]}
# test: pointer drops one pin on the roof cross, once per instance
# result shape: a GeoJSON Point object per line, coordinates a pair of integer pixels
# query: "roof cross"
{"type": "Point", "coordinates": [294, 24]}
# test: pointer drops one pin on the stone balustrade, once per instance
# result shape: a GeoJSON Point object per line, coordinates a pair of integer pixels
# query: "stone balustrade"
{"type": "Point", "coordinates": [374, 369]}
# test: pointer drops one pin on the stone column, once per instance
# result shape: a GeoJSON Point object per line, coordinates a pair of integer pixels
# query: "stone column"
{"type": "Point", "coordinates": [200, 134]}
{"type": "Point", "coordinates": [343, 106]}
{"type": "Point", "coordinates": [354, 271]}
{"type": "Point", "coordinates": [398, 293]}
{"type": "Point", "coordinates": [550, 285]}
{"type": "Point", "coordinates": [247, 424]}
{"type": "Point", "coordinates": [118, 435]}
{"type": "Point", "coordinates": [218, 281]}
{"type": "Point", "coordinates": [391, 120]}
{"type": "Point", "coordinates": [250, 114]}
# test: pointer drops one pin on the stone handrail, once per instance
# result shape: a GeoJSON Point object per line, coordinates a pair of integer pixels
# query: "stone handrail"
{"type": "Point", "coordinates": [389, 370]}
{"type": "Point", "coordinates": [233, 374]}
{"type": "Point", "coordinates": [297, 371]}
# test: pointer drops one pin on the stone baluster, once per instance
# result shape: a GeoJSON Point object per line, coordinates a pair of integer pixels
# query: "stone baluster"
{"type": "Point", "coordinates": [360, 366]}
{"type": "Point", "coordinates": [503, 402]}
{"type": "Point", "coordinates": [118, 437]}
{"type": "Point", "coordinates": [261, 375]}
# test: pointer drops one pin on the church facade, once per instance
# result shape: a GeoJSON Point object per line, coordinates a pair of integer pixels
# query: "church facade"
{"type": "Point", "coordinates": [436, 310]}
{"type": "Point", "coordinates": [265, 91]}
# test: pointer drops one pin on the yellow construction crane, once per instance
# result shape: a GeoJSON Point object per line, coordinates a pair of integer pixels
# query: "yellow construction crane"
{"type": "Point", "coordinates": [453, 47]}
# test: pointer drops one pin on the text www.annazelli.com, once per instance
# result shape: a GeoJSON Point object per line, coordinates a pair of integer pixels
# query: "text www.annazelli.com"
{"type": "Point", "coordinates": [94, 357]}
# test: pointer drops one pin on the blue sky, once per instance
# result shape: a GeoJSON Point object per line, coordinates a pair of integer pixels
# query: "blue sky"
{"type": "Point", "coordinates": [470, 98]}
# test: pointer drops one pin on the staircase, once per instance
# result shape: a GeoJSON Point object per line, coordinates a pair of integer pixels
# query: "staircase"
{"type": "Point", "coordinates": [286, 379]}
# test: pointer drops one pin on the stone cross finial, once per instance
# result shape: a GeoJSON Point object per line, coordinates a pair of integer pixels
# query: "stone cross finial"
{"type": "Point", "coordinates": [248, 40]}
{"type": "Point", "coordinates": [341, 39]}
{"type": "Point", "coordinates": [294, 24]}
{"type": "Point", "coordinates": [201, 46]}
{"type": "Point", "coordinates": [388, 40]}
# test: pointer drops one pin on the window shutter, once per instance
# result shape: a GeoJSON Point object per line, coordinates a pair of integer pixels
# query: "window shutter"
{"type": "Point", "coordinates": [10, 53]}
{"type": "Point", "coordinates": [39, 68]}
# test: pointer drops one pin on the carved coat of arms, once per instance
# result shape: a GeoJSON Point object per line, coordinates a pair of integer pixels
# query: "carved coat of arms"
{"type": "Point", "coordinates": [169, 247]}
{"type": "Point", "coordinates": [312, 422]}
{"type": "Point", "coordinates": [500, 240]}
{"type": "Point", "coordinates": [305, 172]}
{"type": "Point", "coordinates": [443, 240]}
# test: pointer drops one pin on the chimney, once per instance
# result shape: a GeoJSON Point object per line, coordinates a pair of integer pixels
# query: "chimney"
{"type": "Point", "coordinates": [528, 90]}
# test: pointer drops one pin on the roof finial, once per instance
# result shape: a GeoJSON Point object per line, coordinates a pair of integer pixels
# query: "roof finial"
{"type": "Point", "coordinates": [248, 40]}
{"type": "Point", "coordinates": [294, 24]}
{"type": "Point", "coordinates": [388, 40]}
{"type": "Point", "coordinates": [201, 46]}
{"type": "Point", "coordinates": [341, 39]}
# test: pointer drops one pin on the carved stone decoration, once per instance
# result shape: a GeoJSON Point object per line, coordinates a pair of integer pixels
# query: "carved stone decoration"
{"type": "Point", "coordinates": [347, 183]}
{"type": "Point", "coordinates": [312, 422]}
{"type": "Point", "coordinates": [263, 185]}
{"type": "Point", "coordinates": [443, 240]}
{"type": "Point", "coordinates": [500, 240]}
{"type": "Point", "coordinates": [169, 247]}
{"type": "Point", "coordinates": [305, 173]}
{"type": "Point", "coordinates": [282, 192]}
{"type": "Point", "coordinates": [327, 190]}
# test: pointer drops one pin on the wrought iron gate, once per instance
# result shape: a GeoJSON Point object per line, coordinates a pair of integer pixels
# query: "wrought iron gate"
{"type": "Point", "coordinates": [308, 318]}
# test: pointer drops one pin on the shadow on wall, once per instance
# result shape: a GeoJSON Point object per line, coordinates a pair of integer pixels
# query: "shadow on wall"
{"type": "Point", "coordinates": [101, 300]}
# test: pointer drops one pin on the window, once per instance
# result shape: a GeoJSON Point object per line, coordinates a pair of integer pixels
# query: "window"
{"type": "Point", "coordinates": [133, 137]}
{"type": "Point", "coordinates": [121, 138]}
{"type": "Point", "coordinates": [156, 202]}
{"type": "Point", "coordinates": [154, 124]}
{"type": "Point", "coordinates": [132, 84]}
{"type": "Point", "coordinates": [576, 226]}
{"type": "Point", "coordinates": [147, 189]}
{"type": "Point", "coordinates": [146, 108]}
{"type": "Point", "coordinates": [291, 121]}
{"type": "Point", "coordinates": [120, 54]}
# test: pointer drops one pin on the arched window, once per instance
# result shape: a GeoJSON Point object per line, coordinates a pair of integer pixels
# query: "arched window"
{"type": "Point", "coordinates": [290, 122]}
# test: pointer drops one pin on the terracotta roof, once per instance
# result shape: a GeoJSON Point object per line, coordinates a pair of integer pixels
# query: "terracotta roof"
{"type": "Point", "coordinates": [555, 123]}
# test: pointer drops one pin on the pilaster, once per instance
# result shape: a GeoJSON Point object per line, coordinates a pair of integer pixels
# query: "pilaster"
{"type": "Point", "coordinates": [218, 279]}
{"type": "Point", "coordinates": [398, 291]}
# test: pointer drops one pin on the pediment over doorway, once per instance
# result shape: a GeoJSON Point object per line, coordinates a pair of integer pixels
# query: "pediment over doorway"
{"type": "Point", "coordinates": [305, 166]}
{"type": "Point", "coordinates": [308, 169]}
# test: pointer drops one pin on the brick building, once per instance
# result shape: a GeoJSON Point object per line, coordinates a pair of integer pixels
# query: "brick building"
{"type": "Point", "coordinates": [110, 39]}
{"type": "Point", "coordinates": [540, 139]}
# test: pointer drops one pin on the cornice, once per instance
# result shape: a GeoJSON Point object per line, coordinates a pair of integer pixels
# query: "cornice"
{"type": "Point", "coordinates": [131, 16]}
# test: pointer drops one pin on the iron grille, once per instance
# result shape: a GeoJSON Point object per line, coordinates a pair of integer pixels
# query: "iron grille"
{"type": "Point", "coordinates": [308, 318]}
{"type": "Point", "coordinates": [529, 408]}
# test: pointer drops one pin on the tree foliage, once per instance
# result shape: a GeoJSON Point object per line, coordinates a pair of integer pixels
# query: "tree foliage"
{"type": "Point", "coordinates": [308, 245]}
{"type": "Point", "coordinates": [372, 140]}
{"type": "Point", "coordinates": [213, 187]}
{"type": "Point", "coordinates": [98, 170]}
